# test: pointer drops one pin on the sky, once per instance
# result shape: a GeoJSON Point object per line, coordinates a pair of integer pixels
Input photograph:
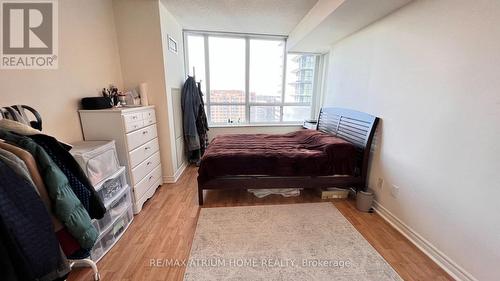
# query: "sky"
{"type": "Point", "coordinates": [227, 63]}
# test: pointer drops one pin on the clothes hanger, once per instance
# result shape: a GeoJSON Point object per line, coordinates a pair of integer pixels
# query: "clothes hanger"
{"type": "Point", "coordinates": [13, 112]}
{"type": "Point", "coordinates": [37, 124]}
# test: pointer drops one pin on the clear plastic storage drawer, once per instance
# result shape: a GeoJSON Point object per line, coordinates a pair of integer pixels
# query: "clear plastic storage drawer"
{"type": "Point", "coordinates": [111, 235]}
{"type": "Point", "coordinates": [116, 208]}
{"type": "Point", "coordinates": [98, 159]}
{"type": "Point", "coordinates": [109, 188]}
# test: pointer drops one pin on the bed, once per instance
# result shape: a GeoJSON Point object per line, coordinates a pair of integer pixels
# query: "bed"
{"type": "Point", "coordinates": [336, 154]}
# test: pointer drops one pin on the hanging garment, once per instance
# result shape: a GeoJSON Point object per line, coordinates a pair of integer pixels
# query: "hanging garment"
{"type": "Point", "coordinates": [190, 101]}
{"type": "Point", "coordinates": [202, 123]}
{"type": "Point", "coordinates": [68, 243]}
{"type": "Point", "coordinates": [67, 207]}
{"type": "Point", "coordinates": [61, 272]}
{"type": "Point", "coordinates": [79, 182]}
{"type": "Point", "coordinates": [70, 246]}
{"type": "Point", "coordinates": [25, 130]}
{"type": "Point", "coordinates": [30, 162]}
{"type": "Point", "coordinates": [8, 270]}
{"type": "Point", "coordinates": [16, 164]}
{"type": "Point", "coordinates": [27, 228]}
{"type": "Point", "coordinates": [194, 120]}
{"type": "Point", "coordinates": [18, 128]}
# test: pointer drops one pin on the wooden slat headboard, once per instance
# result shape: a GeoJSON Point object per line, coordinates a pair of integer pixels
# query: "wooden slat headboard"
{"type": "Point", "coordinates": [356, 127]}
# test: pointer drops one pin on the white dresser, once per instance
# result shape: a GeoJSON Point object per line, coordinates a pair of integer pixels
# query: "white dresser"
{"type": "Point", "coordinates": [134, 131]}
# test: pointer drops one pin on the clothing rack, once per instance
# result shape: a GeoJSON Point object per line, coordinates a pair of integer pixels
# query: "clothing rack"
{"type": "Point", "coordinates": [16, 113]}
{"type": "Point", "coordinates": [86, 263]}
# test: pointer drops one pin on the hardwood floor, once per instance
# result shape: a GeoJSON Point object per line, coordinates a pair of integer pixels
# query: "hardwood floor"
{"type": "Point", "coordinates": [165, 229]}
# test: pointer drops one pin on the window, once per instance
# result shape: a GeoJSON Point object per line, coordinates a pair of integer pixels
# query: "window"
{"type": "Point", "coordinates": [266, 70]}
{"type": "Point", "coordinates": [250, 79]}
{"type": "Point", "coordinates": [196, 54]}
{"type": "Point", "coordinates": [227, 70]}
{"type": "Point", "coordinates": [300, 78]}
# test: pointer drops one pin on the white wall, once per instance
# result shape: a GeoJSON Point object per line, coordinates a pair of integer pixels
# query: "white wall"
{"type": "Point", "coordinates": [88, 62]}
{"type": "Point", "coordinates": [141, 54]}
{"type": "Point", "coordinates": [431, 72]}
{"type": "Point", "coordinates": [103, 42]}
{"type": "Point", "coordinates": [175, 67]}
{"type": "Point", "coordinates": [174, 76]}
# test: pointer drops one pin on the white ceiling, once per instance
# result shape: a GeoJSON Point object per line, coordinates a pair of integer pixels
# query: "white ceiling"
{"type": "Point", "coordinates": [332, 20]}
{"type": "Point", "coordinates": [276, 17]}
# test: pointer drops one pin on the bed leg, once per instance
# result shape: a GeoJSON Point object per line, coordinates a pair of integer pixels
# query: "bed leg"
{"type": "Point", "coordinates": [200, 196]}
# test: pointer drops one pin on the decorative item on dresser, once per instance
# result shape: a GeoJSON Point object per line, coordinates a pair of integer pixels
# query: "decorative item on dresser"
{"type": "Point", "coordinates": [135, 133]}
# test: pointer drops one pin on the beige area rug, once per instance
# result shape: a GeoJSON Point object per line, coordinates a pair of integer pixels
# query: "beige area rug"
{"type": "Point", "coordinates": [282, 242]}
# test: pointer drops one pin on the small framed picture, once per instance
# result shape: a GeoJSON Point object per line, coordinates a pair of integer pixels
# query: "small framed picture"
{"type": "Point", "coordinates": [172, 44]}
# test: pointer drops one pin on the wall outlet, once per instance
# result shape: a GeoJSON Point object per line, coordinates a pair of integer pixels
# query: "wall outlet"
{"type": "Point", "coordinates": [380, 183]}
{"type": "Point", "coordinates": [395, 191]}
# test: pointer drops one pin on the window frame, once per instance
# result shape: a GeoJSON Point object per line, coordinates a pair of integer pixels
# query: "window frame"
{"type": "Point", "coordinates": [247, 37]}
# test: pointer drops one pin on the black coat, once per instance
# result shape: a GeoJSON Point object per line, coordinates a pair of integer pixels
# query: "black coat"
{"type": "Point", "coordinates": [190, 102]}
{"type": "Point", "coordinates": [6, 262]}
{"type": "Point", "coordinates": [26, 229]}
{"type": "Point", "coordinates": [202, 123]}
{"type": "Point", "coordinates": [80, 184]}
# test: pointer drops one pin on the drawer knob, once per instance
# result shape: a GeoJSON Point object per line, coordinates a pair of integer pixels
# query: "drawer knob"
{"type": "Point", "coordinates": [145, 132]}
{"type": "Point", "coordinates": [150, 178]}
{"type": "Point", "coordinates": [146, 148]}
{"type": "Point", "coordinates": [134, 117]}
{"type": "Point", "coordinates": [149, 163]}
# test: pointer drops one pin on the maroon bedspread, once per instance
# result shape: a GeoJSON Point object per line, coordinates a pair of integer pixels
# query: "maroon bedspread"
{"type": "Point", "coordinates": [301, 153]}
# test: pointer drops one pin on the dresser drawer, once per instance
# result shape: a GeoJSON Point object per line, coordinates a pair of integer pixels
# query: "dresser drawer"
{"type": "Point", "coordinates": [132, 126]}
{"type": "Point", "coordinates": [133, 117]}
{"type": "Point", "coordinates": [149, 121]}
{"type": "Point", "coordinates": [143, 152]}
{"type": "Point", "coordinates": [139, 172]}
{"type": "Point", "coordinates": [140, 137]}
{"type": "Point", "coordinates": [147, 182]}
{"type": "Point", "coordinates": [149, 117]}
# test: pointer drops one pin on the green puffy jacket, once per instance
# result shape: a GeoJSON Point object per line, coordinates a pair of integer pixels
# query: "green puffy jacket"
{"type": "Point", "coordinates": [67, 207]}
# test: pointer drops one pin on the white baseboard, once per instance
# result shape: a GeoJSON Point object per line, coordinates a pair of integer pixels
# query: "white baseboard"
{"type": "Point", "coordinates": [176, 176]}
{"type": "Point", "coordinates": [446, 263]}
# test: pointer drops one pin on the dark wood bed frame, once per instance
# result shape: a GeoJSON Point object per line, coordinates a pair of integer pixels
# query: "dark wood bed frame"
{"type": "Point", "coordinates": [353, 126]}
